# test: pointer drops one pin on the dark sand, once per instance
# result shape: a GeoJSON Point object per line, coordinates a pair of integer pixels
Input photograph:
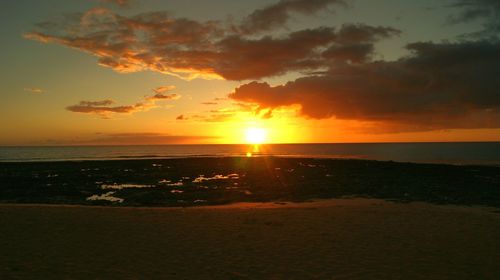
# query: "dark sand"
{"type": "Point", "coordinates": [331, 239]}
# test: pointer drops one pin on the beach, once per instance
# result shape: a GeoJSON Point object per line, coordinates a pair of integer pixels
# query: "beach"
{"type": "Point", "coordinates": [266, 139]}
{"type": "Point", "coordinates": [327, 239]}
{"type": "Point", "coordinates": [248, 218]}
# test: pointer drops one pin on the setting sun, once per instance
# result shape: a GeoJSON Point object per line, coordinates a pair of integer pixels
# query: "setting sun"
{"type": "Point", "coordinates": [255, 135]}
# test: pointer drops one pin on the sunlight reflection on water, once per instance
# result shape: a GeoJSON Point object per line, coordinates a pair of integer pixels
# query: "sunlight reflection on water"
{"type": "Point", "coordinates": [458, 153]}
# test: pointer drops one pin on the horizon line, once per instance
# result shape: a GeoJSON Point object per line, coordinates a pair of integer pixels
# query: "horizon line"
{"type": "Point", "coordinates": [246, 144]}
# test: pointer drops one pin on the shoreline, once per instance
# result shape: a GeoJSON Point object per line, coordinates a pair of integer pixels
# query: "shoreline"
{"type": "Point", "coordinates": [306, 157]}
{"type": "Point", "coordinates": [225, 180]}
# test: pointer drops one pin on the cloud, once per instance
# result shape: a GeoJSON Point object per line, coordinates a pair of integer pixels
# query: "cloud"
{"type": "Point", "coordinates": [485, 11]}
{"type": "Point", "coordinates": [354, 43]}
{"type": "Point", "coordinates": [34, 90]}
{"type": "Point", "coordinates": [105, 102]}
{"type": "Point", "coordinates": [162, 96]}
{"type": "Point", "coordinates": [355, 53]}
{"type": "Point", "coordinates": [439, 86]}
{"type": "Point", "coordinates": [278, 14]}
{"type": "Point", "coordinates": [363, 33]}
{"type": "Point", "coordinates": [105, 109]}
{"type": "Point", "coordinates": [145, 138]}
{"type": "Point", "coordinates": [154, 41]}
{"type": "Point", "coordinates": [216, 115]}
{"type": "Point", "coordinates": [264, 57]}
{"type": "Point", "coordinates": [163, 89]}
{"type": "Point", "coordinates": [476, 9]}
{"type": "Point", "coordinates": [189, 49]}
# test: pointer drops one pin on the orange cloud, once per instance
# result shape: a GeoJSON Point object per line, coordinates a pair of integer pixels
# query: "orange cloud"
{"type": "Point", "coordinates": [136, 138]}
{"type": "Point", "coordinates": [439, 86]}
{"type": "Point", "coordinates": [189, 49]}
{"type": "Point", "coordinates": [216, 115]}
{"type": "Point", "coordinates": [105, 109]}
{"type": "Point", "coordinates": [163, 89]}
{"type": "Point", "coordinates": [150, 138]}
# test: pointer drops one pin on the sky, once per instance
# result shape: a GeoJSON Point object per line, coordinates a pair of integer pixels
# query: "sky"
{"type": "Point", "coordinates": [107, 72]}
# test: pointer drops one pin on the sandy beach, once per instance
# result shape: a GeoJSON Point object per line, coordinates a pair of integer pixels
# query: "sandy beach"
{"type": "Point", "coordinates": [327, 239]}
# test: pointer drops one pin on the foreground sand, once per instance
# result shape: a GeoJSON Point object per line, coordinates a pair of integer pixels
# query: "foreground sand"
{"type": "Point", "coordinates": [333, 239]}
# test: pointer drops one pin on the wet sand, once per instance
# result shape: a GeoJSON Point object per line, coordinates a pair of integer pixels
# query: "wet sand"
{"type": "Point", "coordinates": [328, 239]}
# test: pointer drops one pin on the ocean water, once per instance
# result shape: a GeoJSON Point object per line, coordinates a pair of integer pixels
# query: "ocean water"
{"type": "Point", "coordinates": [454, 153]}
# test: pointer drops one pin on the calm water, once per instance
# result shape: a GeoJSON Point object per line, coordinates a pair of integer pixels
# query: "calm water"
{"type": "Point", "coordinates": [456, 153]}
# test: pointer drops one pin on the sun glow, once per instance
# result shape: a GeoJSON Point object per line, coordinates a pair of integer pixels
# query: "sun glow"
{"type": "Point", "coordinates": [255, 135]}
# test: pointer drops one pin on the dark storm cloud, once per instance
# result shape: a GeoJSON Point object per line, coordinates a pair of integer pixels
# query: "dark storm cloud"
{"type": "Point", "coordinates": [439, 86]}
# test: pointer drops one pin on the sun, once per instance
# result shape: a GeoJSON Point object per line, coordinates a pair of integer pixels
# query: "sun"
{"type": "Point", "coordinates": [255, 135]}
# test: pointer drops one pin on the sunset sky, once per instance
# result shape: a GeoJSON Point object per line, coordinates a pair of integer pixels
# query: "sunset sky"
{"type": "Point", "coordinates": [90, 72]}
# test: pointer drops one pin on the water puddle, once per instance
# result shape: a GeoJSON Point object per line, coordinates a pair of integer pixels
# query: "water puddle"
{"type": "Point", "coordinates": [106, 196]}
{"type": "Point", "coordinates": [176, 191]}
{"type": "Point", "coordinates": [169, 183]}
{"type": "Point", "coordinates": [202, 178]}
{"type": "Point", "coordinates": [125, 186]}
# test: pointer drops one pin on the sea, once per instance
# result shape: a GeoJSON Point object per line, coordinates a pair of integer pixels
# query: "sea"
{"type": "Point", "coordinates": [460, 153]}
